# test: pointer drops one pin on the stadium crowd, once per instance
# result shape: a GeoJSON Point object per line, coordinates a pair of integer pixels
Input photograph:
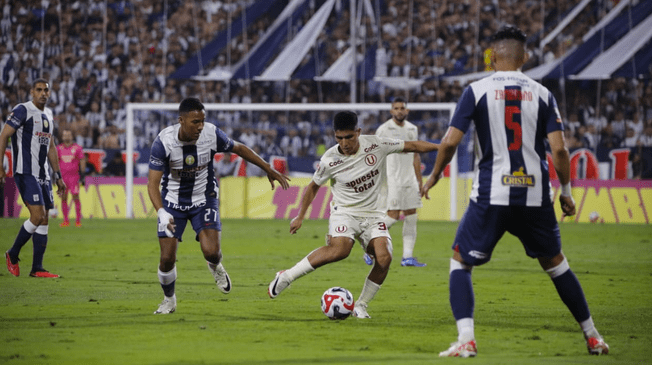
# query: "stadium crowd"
{"type": "Point", "coordinates": [99, 58]}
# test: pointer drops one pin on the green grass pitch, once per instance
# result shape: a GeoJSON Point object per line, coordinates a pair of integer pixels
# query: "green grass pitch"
{"type": "Point", "coordinates": [100, 312]}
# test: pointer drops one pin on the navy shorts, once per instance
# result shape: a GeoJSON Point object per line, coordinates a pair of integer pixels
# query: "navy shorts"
{"type": "Point", "coordinates": [35, 191]}
{"type": "Point", "coordinates": [203, 216]}
{"type": "Point", "coordinates": [482, 226]}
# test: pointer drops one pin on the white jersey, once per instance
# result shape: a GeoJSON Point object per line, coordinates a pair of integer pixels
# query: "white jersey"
{"type": "Point", "coordinates": [31, 142]}
{"type": "Point", "coordinates": [358, 182]}
{"type": "Point", "coordinates": [513, 115]}
{"type": "Point", "coordinates": [188, 177]}
{"type": "Point", "coordinates": [400, 166]}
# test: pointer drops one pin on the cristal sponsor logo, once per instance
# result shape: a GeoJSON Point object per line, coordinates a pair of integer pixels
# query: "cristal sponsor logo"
{"type": "Point", "coordinates": [370, 159]}
{"type": "Point", "coordinates": [340, 229]}
{"type": "Point", "coordinates": [519, 179]}
{"type": "Point", "coordinates": [477, 254]}
{"type": "Point", "coordinates": [371, 148]}
{"type": "Point", "coordinates": [190, 172]}
{"type": "Point", "coordinates": [364, 182]}
{"type": "Point", "coordinates": [335, 163]}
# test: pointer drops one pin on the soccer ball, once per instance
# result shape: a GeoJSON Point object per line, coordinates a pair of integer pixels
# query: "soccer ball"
{"type": "Point", "coordinates": [594, 216]}
{"type": "Point", "coordinates": [337, 303]}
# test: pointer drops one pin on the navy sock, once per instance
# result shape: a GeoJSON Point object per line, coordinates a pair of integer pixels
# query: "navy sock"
{"type": "Point", "coordinates": [168, 289]}
{"type": "Point", "coordinates": [21, 239]}
{"type": "Point", "coordinates": [461, 294]}
{"type": "Point", "coordinates": [572, 295]}
{"type": "Point", "coordinates": [40, 243]}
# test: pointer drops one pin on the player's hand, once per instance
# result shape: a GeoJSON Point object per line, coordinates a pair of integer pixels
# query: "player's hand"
{"type": "Point", "coordinates": [82, 180]}
{"type": "Point", "coordinates": [567, 205]}
{"type": "Point", "coordinates": [166, 222]}
{"type": "Point", "coordinates": [295, 225]}
{"type": "Point", "coordinates": [61, 187]}
{"type": "Point", "coordinates": [282, 179]}
{"type": "Point", "coordinates": [432, 181]}
{"type": "Point", "coordinates": [3, 174]}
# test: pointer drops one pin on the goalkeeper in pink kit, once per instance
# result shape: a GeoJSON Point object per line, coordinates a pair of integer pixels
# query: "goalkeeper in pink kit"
{"type": "Point", "coordinates": [71, 158]}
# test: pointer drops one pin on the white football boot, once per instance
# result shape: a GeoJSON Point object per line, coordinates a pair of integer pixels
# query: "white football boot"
{"type": "Point", "coordinates": [279, 284]}
{"type": "Point", "coordinates": [360, 310]}
{"type": "Point", "coordinates": [168, 305]}
{"type": "Point", "coordinates": [222, 278]}
{"type": "Point", "coordinates": [460, 349]}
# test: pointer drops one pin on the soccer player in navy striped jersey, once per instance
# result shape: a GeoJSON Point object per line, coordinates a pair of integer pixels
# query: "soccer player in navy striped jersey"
{"type": "Point", "coordinates": [513, 117]}
{"type": "Point", "coordinates": [30, 126]}
{"type": "Point", "coordinates": [181, 162]}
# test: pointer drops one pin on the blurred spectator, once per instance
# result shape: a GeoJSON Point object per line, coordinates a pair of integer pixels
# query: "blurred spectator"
{"type": "Point", "coordinates": [115, 167]}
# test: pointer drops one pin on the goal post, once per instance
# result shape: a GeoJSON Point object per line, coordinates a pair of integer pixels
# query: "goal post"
{"type": "Point", "coordinates": [140, 113]}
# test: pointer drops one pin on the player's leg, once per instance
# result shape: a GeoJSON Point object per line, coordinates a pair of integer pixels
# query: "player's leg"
{"type": "Point", "coordinates": [65, 209]}
{"type": "Point", "coordinates": [410, 239]}
{"type": "Point", "coordinates": [28, 188]}
{"type": "Point", "coordinates": [210, 240]}
{"type": "Point", "coordinates": [381, 249]}
{"type": "Point", "coordinates": [167, 273]}
{"type": "Point", "coordinates": [78, 214]}
{"type": "Point", "coordinates": [40, 237]}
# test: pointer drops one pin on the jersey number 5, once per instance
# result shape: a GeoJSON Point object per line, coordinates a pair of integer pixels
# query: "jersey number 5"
{"type": "Point", "coordinates": [514, 145]}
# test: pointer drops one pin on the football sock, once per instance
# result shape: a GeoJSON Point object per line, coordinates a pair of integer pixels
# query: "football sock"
{"type": "Point", "coordinates": [389, 221]}
{"type": "Point", "coordinates": [570, 291]}
{"type": "Point", "coordinates": [77, 210]}
{"type": "Point", "coordinates": [167, 280]}
{"type": "Point", "coordinates": [589, 329]}
{"type": "Point", "coordinates": [24, 234]}
{"type": "Point", "coordinates": [40, 242]}
{"type": "Point", "coordinates": [369, 290]}
{"type": "Point", "coordinates": [300, 269]}
{"type": "Point", "coordinates": [465, 330]}
{"type": "Point", "coordinates": [409, 235]}
{"type": "Point", "coordinates": [461, 290]}
{"type": "Point", "coordinates": [65, 209]}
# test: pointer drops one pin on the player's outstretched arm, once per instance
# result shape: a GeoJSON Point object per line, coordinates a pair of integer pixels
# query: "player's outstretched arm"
{"type": "Point", "coordinates": [53, 157]}
{"type": "Point", "coordinates": [250, 156]}
{"type": "Point", "coordinates": [561, 161]}
{"type": "Point", "coordinates": [166, 220]}
{"type": "Point", "coordinates": [445, 154]}
{"type": "Point", "coordinates": [6, 133]}
{"type": "Point", "coordinates": [309, 196]}
{"type": "Point", "coordinates": [420, 146]}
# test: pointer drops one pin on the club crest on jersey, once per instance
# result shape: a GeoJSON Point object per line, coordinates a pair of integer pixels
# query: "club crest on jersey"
{"type": "Point", "coordinates": [370, 159]}
{"type": "Point", "coordinates": [45, 123]}
{"type": "Point", "coordinates": [190, 159]}
{"type": "Point", "coordinates": [519, 179]}
{"type": "Point", "coordinates": [340, 229]}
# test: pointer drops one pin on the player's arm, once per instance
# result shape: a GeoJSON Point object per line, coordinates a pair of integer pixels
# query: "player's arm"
{"type": "Point", "coordinates": [6, 133]}
{"type": "Point", "coordinates": [250, 156]}
{"type": "Point", "coordinates": [165, 219]}
{"type": "Point", "coordinates": [82, 167]}
{"type": "Point", "coordinates": [308, 197]}
{"type": "Point", "coordinates": [445, 154]}
{"type": "Point", "coordinates": [561, 161]}
{"type": "Point", "coordinates": [53, 157]}
{"type": "Point", "coordinates": [420, 146]}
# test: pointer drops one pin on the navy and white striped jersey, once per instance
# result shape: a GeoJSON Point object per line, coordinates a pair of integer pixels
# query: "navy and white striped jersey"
{"type": "Point", "coordinates": [31, 142]}
{"type": "Point", "coordinates": [513, 115]}
{"type": "Point", "coordinates": [188, 177]}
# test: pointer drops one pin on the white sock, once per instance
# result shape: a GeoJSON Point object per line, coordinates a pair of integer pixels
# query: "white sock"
{"type": "Point", "coordinates": [409, 235]}
{"type": "Point", "coordinates": [167, 277]}
{"type": "Point", "coordinates": [214, 267]}
{"type": "Point", "coordinates": [29, 227]}
{"type": "Point", "coordinates": [589, 329]}
{"type": "Point", "coordinates": [465, 330]}
{"type": "Point", "coordinates": [300, 269]}
{"type": "Point", "coordinates": [389, 221]}
{"type": "Point", "coordinates": [42, 230]}
{"type": "Point", "coordinates": [368, 292]}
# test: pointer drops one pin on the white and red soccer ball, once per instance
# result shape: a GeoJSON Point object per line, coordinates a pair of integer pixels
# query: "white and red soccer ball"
{"type": "Point", "coordinates": [337, 303]}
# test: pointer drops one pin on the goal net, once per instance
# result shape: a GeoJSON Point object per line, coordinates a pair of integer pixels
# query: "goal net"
{"type": "Point", "coordinates": [270, 129]}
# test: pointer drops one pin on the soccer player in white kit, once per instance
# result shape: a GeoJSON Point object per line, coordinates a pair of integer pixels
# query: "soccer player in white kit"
{"type": "Point", "coordinates": [404, 181]}
{"type": "Point", "coordinates": [182, 157]}
{"type": "Point", "coordinates": [357, 171]}
{"type": "Point", "coordinates": [513, 116]}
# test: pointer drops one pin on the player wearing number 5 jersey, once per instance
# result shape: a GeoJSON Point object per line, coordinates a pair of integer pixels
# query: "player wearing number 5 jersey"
{"type": "Point", "coordinates": [181, 162]}
{"type": "Point", "coordinates": [357, 171]}
{"type": "Point", "coordinates": [513, 117]}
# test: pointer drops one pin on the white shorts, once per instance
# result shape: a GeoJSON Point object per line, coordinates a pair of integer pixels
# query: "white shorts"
{"type": "Point", "coordinates": [403, 198]}
{"type": "Point", "coordinates": [364, 228]}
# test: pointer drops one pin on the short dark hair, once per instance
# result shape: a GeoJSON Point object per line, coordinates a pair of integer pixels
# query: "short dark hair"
{"type": "Point", "coordinates": [40, 81]}
{"type": "Point", "coordinates": [509, 32]}
{"type": "Point", "coordinates": [345, 121]}
{"type": "Point", "coordinates": [190, 105]}
{"type": "Point", "coordinates": [399, 99]}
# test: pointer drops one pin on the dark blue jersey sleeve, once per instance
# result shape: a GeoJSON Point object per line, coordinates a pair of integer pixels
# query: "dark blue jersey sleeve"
{"type": "Point", "coordinates": [464, 111]}
{"type": "Point", "coordinates": [17, 117]}
{"type": "Point", "coordinates": [224, 143]}
{"type": "Point", "coordinates": [157, 156]}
